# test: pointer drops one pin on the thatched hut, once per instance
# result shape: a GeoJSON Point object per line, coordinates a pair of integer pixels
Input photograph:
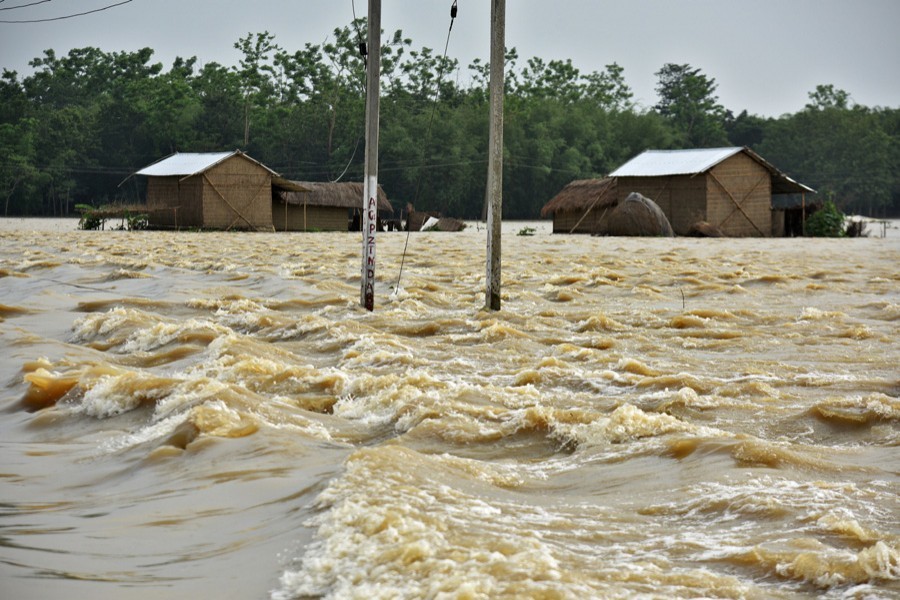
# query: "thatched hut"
{"type": "Point", "coordinates": [210, 190]}
{"type": "Point", "coordinates": [729, 188]}
{"type": "Point", "coordinates": [583, 206]}
{"type": "Point", "coordinates": [323, 206]}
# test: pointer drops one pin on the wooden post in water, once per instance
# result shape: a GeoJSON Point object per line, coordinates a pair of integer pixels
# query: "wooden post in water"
{"type": "Point", "coordinates": [370, 184]}
{"type": "Point", "coordinates": [495, 154]}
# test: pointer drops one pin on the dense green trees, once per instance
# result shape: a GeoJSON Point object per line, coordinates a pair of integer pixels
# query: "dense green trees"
{"type": "Point", "coordinates": [78, 125]}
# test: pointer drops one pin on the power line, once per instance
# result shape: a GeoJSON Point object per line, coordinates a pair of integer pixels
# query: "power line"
{"type": "Point", "coordinates": [25, 5]}
{"type": "Point", "coordinates": [437, 96]}
{"type": "Point", "coordinates": [81, 14]}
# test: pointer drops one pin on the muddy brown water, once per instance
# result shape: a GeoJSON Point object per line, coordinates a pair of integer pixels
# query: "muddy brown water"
{"type": "Point", "coordinates": [194, 414]}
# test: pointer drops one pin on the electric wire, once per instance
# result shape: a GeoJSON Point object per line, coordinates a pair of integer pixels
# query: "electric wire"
{"type": "Point", "coordinates": [81, 14]}
{"type": "Point", "coordinates": [363, 52]}
{"type": "Point", "coordinates": [427, 139]}
{"type": "Point", "coordinates": [25, 5]}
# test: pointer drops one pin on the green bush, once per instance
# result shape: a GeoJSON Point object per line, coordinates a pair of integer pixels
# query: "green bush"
{"type": "Point", "coordinates": [826, 222]}
{"type": "Point", "coordinates": [89, 218]}
{"type": "Point", "coordinates": [136, 222]}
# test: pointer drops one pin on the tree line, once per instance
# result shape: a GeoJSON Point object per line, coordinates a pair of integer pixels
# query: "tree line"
{"type": "Point", "coordinates": [74, 129]}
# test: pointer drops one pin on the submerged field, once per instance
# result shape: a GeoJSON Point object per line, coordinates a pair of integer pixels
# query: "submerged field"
{"type": "Point", "coordinates": [213, 414]}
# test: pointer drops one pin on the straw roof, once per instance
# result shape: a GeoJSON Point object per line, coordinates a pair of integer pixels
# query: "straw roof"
{"type": "Point", "coordinates": [582, 195]}
{"type": "Point", "coordinates": [337, 195]}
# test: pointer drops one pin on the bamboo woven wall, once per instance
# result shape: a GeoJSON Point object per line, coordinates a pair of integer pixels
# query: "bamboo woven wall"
{"type": "Point", "coordinates": [740, 180]}
{"type": "Point", "coordinates": [688, 202]}
{"type": "Point", "coordinates": [316, 218]}
{"type": "Point", "coordinates": [174, 203]}
{"type": "Point", "coordinates": [237, 194]}
{"type": "Point", "coordinates": [682, 198]}
{"type": "Point", "coordinates": [594, 222]}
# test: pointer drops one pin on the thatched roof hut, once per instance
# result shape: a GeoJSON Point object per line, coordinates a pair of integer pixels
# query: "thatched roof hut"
{"type": "Point", "coordinates": [323, 206]}
{"type": "Point", "coordinates": [582, 206]}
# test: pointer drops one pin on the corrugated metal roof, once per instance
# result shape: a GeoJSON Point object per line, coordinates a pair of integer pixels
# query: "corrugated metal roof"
{"type": "Point", "coordinates": [185, 163]}
{"type": "Point", "coordinates": [660, 163]}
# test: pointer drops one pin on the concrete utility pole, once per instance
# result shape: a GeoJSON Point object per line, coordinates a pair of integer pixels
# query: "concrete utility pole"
{"type": "Point", "coordinates": [495, 154]}
{"type": "Point", "coordinates": [370, 185]}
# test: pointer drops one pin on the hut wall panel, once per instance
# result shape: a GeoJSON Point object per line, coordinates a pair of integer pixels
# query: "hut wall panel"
{"type": "Point", "coordinates": [681, 198]}
{"type": "Point", "coordinates": [748, 183]}
{"type": "Point", "coordinates": [327, 218]}
{"type": "Point", "coordinates": [688, 203]}
{"type": "Point", "coordinates": [237, 194]}
{"type": "Point", "coordinates": [594, 222]}
{"type": "Point", "coordinates": [318, 218]}
{"type": "Point", "coordinates": [655, 188]}
{"type": "Point", "coordinates": [174, 203]}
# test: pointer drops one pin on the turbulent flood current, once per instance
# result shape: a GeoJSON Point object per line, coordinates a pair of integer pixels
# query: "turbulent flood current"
{"type": "Point", "coordinates": [213, 415]}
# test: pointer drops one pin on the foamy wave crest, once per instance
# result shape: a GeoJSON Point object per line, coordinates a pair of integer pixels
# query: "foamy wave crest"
{"type": "Point", "coordinates": [859, 410]}
{"type": "Point", "coordinates": [628, 423]}
{"type": "Point", "coordinates": [114, 395]}
{"type": "Point", "coordinates": [814, 314]}
{"type": "Point", "coordinates": [829, 534]}
{"type": "Point", "coordinates": [129, 330]}
{"type": "Point", "coordinates": [162, 334]}
{"type": "Point", "coordinates": [390, 529]}
{"type": "Point", "coordinates": [242, 363]}
{"type": "Point", "coordinates": [100, 325]}
{"type": "Point", "coordinates": [814, 562]}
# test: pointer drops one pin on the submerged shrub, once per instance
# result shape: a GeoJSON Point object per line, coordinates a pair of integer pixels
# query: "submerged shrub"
{"type": "Point", "coordinates": [826, 222]}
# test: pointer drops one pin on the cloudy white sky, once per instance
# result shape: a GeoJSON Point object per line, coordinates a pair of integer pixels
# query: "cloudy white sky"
{"type": "Point", "coordinates": [765, 55]}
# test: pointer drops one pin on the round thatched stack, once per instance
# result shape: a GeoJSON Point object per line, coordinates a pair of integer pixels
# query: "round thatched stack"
{"type": "Point", "coordinates": [637, 215]}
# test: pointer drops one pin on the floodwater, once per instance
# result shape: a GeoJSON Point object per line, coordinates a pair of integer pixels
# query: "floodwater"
{"type": "Point", "coordinates": [212, 415]}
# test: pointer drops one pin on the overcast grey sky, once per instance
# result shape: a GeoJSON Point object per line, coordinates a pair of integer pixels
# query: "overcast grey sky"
{"type": "Point", "coordinates": [765, 55]}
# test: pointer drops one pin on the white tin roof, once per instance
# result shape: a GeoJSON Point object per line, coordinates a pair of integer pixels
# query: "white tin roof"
{"type": "Point", "coordinates": [185, 164]}
{"type": "Point", "coordinates": [660, 163]}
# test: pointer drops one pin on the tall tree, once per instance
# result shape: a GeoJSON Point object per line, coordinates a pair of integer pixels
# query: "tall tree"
{"type": "Point", "coordinates": [257, 73]}
{"type": "Point", "coordinates": [688, 102]}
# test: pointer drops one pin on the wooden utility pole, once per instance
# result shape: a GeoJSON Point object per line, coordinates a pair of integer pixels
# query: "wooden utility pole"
{"type": "Point", "coordinates": [370, 185]}
{"type": "Point", "coordinates": [495, 154]}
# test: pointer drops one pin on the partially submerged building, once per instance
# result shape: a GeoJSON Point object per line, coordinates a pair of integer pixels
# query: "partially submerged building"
{"type": "Point", "coordinates": [211, 190]}
{"type": "Point", "coordinates": [731, 189]}
{"type": "Point", "coordinates": [323, 206]}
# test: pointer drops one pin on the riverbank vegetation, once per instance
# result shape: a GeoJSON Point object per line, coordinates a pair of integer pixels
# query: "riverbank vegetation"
{"type": "Point", "coordinates": [77, 126]}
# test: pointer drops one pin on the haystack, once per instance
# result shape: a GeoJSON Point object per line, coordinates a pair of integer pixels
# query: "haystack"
{"type": "Point", "coordinates": [704, 229]}
{"type": "Point", "coordinates": [640, 216]}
